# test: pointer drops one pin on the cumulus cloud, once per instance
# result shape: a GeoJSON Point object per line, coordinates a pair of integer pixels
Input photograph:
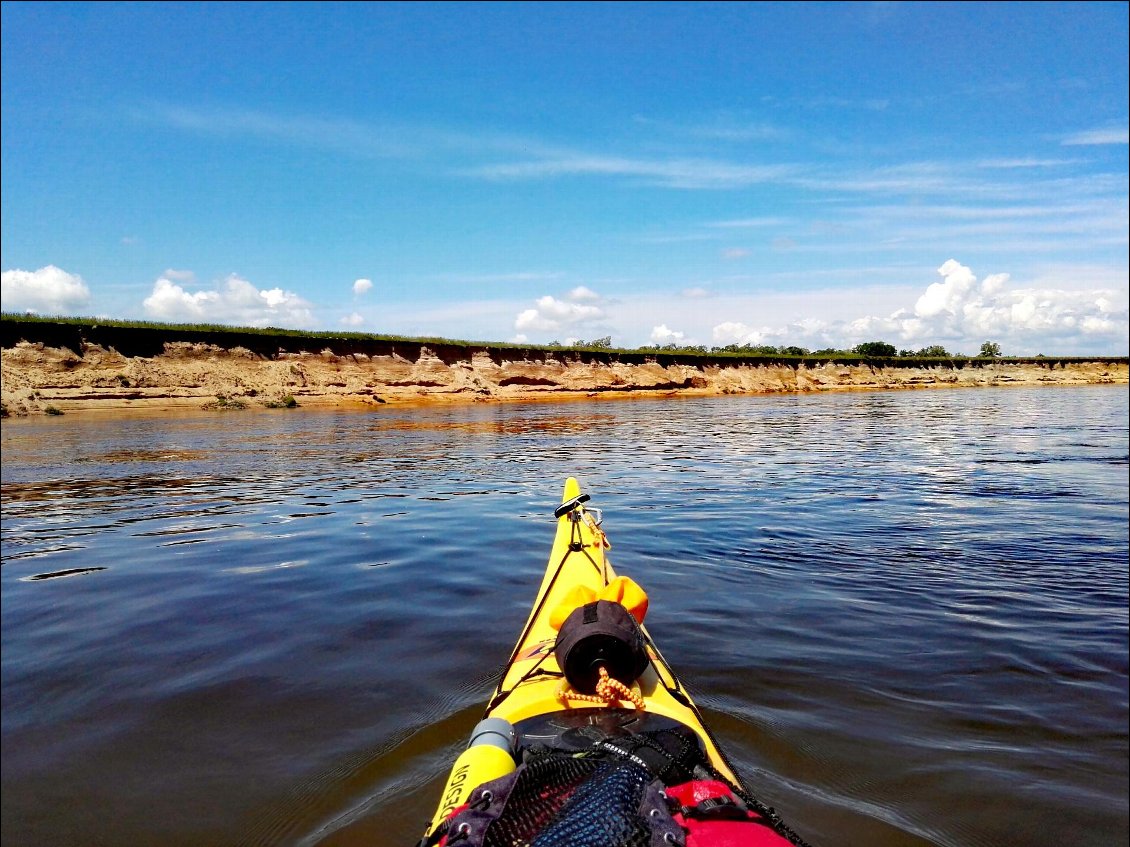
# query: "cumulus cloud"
{"type": "Point", "coordinates": [49, 290]}
{"type": "Point", "coordinates": [235, 301]}
{"type": "Point", "coordinates": [949, 295]}
{"type": "Point", "coordinates": [353, 319]}
{"type": "Point", "coordinates": [812, 332]}
{"type": "Point", "coordinates": [735, 332]}
{"type": "Point", "coordinates": [964, 310]}
{"type": "Point", "coordinates": [583, 293]}
{"type": "Point", "coordinates": [362, 286]}
{"type": "Point", "coordinates": [662, 335]}
{"type": "Point", "coordinates": [961, 307]}
{"type": "Point", "coordinates": [580, 308]}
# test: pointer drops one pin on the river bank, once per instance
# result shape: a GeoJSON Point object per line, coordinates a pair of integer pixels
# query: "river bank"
{"type": "Point", "coordinates": [180, 375]}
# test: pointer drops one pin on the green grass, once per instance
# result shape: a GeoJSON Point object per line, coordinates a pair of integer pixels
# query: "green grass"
{"type": "Point", "coordinates": [223, 403]}
{"type": "Point", "coordinates": [269, 331]}
{"type": "Point", "coordinates": [761, 355]}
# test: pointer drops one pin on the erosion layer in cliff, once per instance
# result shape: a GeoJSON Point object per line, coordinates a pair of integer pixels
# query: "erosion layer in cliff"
{"type": "Point", "coordinates": [71, 368]}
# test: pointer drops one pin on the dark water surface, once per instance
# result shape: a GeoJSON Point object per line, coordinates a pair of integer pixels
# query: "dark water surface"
{"type": "Point", "coordinates": [904, 614]}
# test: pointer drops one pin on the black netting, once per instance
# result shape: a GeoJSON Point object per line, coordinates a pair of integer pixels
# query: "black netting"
{"type": "Point", "coordinates": [586, 791]}
{"type": "Point", "coordinates": [563, 801]}
{"type": "Point", "coordinates": [603, 812]}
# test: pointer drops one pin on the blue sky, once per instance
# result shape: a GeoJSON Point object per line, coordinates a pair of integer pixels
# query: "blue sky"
{"type": "Point", "coordinates": [817, 174]}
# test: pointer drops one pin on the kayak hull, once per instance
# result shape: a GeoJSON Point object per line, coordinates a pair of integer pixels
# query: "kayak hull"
{"type": "Point", "coordinates": [529, 695]}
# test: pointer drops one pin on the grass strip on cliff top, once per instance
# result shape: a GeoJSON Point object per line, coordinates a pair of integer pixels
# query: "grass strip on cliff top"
{"type": "Point", "coordinates": [243, 330]}
{"type": "Point", "coordinates": [763, 354]}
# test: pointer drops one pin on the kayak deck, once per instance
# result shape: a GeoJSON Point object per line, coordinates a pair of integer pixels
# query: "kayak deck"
{"type": "Point", "coordinates": [538, 732]}
{"type": "Point", "coordinates": [530, 685]}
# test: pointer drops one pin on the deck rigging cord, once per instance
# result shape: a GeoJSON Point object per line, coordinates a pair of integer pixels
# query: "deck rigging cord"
{"type": "Point", "coordinates": [609, 692]}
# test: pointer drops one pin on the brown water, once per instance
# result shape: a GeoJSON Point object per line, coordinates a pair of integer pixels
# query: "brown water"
{"type": "Point", "coordinates": [904, 614]}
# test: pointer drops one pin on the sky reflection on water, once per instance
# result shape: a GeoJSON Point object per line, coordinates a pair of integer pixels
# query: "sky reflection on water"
{"type": "Point", "coordinates": [904, 613]}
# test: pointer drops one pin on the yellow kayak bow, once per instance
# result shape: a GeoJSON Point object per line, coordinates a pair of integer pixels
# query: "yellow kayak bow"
{"type": "Point", "coordinates": [532, 691]}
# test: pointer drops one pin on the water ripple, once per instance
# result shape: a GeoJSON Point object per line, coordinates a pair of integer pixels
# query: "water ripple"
{"type": "Point", "coordinates": [905, 614]}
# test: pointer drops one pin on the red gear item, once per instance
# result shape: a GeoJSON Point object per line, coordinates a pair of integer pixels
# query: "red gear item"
{"type": "Point", "coordinates": [713, 817]}
{"type": "Point", "coordinates": [443, 841]}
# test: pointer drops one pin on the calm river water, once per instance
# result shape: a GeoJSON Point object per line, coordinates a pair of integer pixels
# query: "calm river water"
{"type": "Point", "coordinates": [904, 614]}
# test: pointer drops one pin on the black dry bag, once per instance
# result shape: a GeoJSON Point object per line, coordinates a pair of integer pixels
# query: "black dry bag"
{"type": "Point", "coordinates": [602, 633]}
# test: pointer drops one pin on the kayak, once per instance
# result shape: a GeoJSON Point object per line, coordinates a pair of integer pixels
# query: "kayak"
{"type": "Point", "coordinates": [578, 694]}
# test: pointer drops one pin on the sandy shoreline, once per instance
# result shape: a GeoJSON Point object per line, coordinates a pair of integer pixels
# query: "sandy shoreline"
{"type": "Point", "coordinates": [190, 376]}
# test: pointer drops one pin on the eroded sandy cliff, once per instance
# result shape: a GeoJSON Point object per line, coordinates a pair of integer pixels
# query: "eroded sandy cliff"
{"type": "Point", "coordinates": [191, 375]}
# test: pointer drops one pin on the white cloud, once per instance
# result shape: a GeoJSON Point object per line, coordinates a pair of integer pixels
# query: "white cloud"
{"type": "Point", "coordinates": [964, 311]}
{"type": "Point", "coordinates": [948, 295]}
{"type": "Point", "coordinates": [1028, 162]}
{"type": "Point", "coordinates": [960, 307]}
{"type": "Point", "coordinates": [362, 286]}
{"type": "Point", "coordinates": [551, 315]}
{"type": "Point", "coordinates": [49, 290]}
{"type": "Point", "coordinates": [583, 293]}
{"type": "Point", "coordinates": [179, 276]}
{"type": "Point", "coordinates": [169, 300]}
{"type": "Point", "coordinates": [811, 332]}
{"type": "Point", "coordinates": [236, 302]}
{"type": "Point", "coordinates": [1118, 135]}
{"type": "Point", "coordinates": [735, 253]}
{"type": "Point", "coordinates": [685, 173]}
{"type": "Point", "coordinates": [353, 319]}
{"type": "Point", "coordinates": [346, 136]}
{"type": "Point", "coordinates": [662, 335]}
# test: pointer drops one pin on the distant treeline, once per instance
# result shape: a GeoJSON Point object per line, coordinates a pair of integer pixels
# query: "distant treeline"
{"type": "Point", "coordinates": [147, 338]}
{"type": "Point", "coordinates": [868, 349]}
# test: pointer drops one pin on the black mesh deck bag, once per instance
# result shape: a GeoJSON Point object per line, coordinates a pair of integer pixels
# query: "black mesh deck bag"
{"type": "Point", "coordinates": [608, 794]}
